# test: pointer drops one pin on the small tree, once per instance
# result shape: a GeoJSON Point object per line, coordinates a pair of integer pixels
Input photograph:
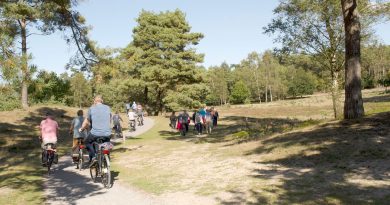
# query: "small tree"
{"type": "Point", "coordinates": [240, 92]}
{"type": "Point", "coordinates": [302, 83]}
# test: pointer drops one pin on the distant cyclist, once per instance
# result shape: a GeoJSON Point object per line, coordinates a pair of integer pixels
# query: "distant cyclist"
{"type": "Point", "coordinates": [116, 119]}
{"type": "Point", "coordinates": [132, 116]}
{"type": "Point", "coordinates": [127, 106]}
{"type": "Point", "coordinates": [140, 113]}
{"type": "Point", "coordinates": [99, 118]}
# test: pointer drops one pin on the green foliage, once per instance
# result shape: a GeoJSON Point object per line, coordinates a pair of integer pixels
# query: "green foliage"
{"type": "Point", "coordinates": [80, 93]}
{"type": "Point", "coordinates": [240, 92]}
{"type": "Point", "coordinates": [47, 86]}
{"type": "Point", "coordinates": [187, 96]}
{"type": "Point", "coordinates": [118, 92]}
{"type": "Point", "coordinates": [375, 61]}
{"type": "Point", "coordinates": [9, 99]}
{"type": "Point", "coordinates": [302, 83]}
{"type": "Point", "coordinates": [220, 80]}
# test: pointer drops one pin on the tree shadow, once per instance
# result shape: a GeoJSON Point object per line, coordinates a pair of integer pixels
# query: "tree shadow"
{"type": "Point", "coordinates": [70, 186]}
{"type": "Point", "coordinates": [238, 197]}
{"type": "Point", "coordinates": [343, 163]}
{"type": "Point", "coordinates": [375, 99]}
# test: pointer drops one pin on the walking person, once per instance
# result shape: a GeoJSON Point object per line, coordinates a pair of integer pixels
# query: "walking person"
{"type": "Point", "coordinates": [173, 120]}
{"type": "Point", "coordinates": [198, 123]}
{"type": "Point", "coordinates": [186, 118]}
{"type": "Point", "coordinates": [215, 118]}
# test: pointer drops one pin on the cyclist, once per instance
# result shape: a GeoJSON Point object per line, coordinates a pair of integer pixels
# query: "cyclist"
{"type": "Point", "coordinates": [131, 114]}
{"type": "Point", "coordinates": [74, 130]}
{"type": "Point", "coordinates": [116, 120]}
{"type": "Point", "coordinates": [49, 131]}
{"type": "Point", "coordinates": [99, 119]}
{"type": "Point", "coordinates": [127, 106]}
{"type": "Point", "coordinates": [140, 113]}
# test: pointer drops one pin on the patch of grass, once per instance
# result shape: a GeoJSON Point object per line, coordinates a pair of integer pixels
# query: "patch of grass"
{"type": "Point", "coordinates": [147, 178]}
{"type": "Point", "coordinates": [21, 179]}
{"type": "Point", "coordinates": [207, 189]}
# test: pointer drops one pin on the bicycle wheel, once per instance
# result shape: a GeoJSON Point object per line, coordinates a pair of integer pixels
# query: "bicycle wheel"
{"type": "Point", "coordinates": [81, 160]}
{"type": "Point", "coordinates": [106, 172]}
{"type": "Point", "coordinates": [93, 171]}
{"type": "Point", "coordinates": [50, 157]}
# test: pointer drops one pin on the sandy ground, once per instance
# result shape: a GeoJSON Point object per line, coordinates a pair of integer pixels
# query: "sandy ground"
{"type": "Point", "coordinates": [67, 185]}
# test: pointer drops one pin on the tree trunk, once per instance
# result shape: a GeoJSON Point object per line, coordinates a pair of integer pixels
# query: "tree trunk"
{"type": "Point", "coordinates": [353, 106]}
{"type": "Point", "coordinates": [146, 95]}
{"type": "Point", "coordinates": [335, 93]}
{"type": "Point", "coordinates": [266, 93]}
{"type": "Point", "coordinates": [25, 71]}
{"type": "Point", "coordinates": [270, 93]}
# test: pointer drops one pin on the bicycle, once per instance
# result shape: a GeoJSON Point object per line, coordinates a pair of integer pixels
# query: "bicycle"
{"type": "Point", "coordinates": [132, 125]}
{"type": "Point", "coordinates": [118, 131]}
{"type": "Point", "coordinates": [48, 153]}
{"type": "Point", "coordinates": [140, 120]}
{"type": "Point", "coordinates": [80, 156]}
{"type": "Point", "coordinates": [100, 167]}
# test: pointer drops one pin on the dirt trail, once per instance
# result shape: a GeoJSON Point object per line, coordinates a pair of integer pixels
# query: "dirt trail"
{"type": "Point", "coordinates": [66, 185]}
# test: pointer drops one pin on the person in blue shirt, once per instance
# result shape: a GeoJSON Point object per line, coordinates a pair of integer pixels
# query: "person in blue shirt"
{"type": "Point", "coordinates": [99, 119]}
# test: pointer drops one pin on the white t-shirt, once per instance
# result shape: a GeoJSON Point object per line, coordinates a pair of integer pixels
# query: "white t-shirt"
{"type": "Point", "coordinates": [131, 115]}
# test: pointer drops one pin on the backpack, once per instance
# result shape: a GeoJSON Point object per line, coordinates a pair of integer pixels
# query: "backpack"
{"type": "Point", "coordinates": [181, 119]}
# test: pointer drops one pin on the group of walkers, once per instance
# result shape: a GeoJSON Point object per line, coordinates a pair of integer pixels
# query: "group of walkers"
{"type": "Point", "coordinates": [204, 120]}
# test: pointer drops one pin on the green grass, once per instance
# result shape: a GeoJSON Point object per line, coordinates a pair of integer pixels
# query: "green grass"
{"type": "Point", "coordinates": [21, 179]}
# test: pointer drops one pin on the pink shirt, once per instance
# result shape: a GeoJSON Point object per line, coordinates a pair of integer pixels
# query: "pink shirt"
{"type": "Point", "coordinates": [49, 129]}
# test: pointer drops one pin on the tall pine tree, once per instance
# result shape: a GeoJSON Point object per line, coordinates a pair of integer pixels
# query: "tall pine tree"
{"type": "Point", "coordinates": [168, 60]}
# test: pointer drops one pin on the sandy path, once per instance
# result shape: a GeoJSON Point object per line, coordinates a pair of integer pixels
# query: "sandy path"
{"type": "Point", "coordinates": [66, 185]}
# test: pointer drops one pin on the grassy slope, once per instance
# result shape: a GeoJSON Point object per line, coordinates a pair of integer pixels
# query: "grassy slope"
{"type": "Point", "coordinates": [291, 161]}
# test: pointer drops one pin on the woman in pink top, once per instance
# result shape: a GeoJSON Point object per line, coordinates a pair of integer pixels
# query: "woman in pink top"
{"type": "Point", "coordinates": [49, 130]}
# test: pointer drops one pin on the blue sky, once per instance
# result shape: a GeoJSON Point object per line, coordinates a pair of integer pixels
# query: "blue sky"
{"type": "Point", "coordinates": [232, 29]}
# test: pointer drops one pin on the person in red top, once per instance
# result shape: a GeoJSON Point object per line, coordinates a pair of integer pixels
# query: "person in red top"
{"type": "Point", "coordinates": [49, 130]}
